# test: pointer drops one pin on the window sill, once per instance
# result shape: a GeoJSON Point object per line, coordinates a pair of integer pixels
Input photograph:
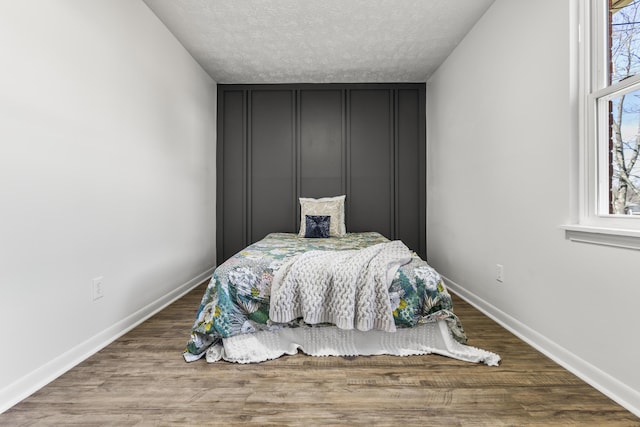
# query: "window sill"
{"type": "Point", "coordinates": [619, 238]}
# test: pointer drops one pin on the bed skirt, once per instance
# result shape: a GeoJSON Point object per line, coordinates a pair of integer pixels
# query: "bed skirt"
{"type": "Point", "coordinates": [429, 338]}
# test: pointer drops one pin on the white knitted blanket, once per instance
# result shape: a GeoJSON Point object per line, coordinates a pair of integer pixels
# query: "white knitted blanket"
{"type": "Point", "coordinates": [347, 288]}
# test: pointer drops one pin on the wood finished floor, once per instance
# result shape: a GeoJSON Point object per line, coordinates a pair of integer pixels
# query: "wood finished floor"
{"type": "Point", "coordinates": [141, 379]}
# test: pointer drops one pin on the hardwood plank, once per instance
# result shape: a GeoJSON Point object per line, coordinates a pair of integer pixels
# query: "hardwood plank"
{"type": "Point", "coordinates": [141, 379]}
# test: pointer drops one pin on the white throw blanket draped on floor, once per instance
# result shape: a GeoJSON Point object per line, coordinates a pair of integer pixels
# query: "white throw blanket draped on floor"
{"type": "Point", "coordinates": [347, 288]}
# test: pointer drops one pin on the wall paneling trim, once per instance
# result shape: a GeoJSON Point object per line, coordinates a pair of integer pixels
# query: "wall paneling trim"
{"type": "Point", "coordinates": [277, 143]}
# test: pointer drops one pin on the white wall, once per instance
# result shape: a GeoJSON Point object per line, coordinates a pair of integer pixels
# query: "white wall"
{"type": "Point", "coordinates": [107, 168]}
{"type": "Point", "coordinates": [501, 127]}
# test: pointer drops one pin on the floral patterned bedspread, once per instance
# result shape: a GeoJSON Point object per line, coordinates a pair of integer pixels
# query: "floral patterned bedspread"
{"type": "Point", "coordinates": [236, 300]}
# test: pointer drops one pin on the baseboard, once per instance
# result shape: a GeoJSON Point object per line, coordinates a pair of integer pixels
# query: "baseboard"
{"type": "Point", "coordinates": [601, 381]}
{"type": "Point", "coordinates": [32, 382]}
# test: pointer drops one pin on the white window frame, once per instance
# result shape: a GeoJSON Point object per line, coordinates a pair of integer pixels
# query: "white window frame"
{"type": "Point", "coordinates": [593, 222]}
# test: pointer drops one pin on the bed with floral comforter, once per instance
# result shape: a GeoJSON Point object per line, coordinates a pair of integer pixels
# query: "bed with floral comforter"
{"type": "Point", "coordinates": [236, 301]}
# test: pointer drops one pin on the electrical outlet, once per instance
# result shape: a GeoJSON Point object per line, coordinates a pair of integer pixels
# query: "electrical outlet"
{"type": "Point", "coordinates": [98, 288]}
{"type": "Point", "coordinates": [499, 273]}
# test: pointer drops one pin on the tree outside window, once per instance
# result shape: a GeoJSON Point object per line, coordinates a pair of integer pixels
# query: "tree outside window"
{"type": "Point", "coordinates": [624, 107]}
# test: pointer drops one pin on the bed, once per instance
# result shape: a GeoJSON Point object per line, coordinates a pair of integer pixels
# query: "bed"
{"type": "Point", "coordinates": [255, 307]}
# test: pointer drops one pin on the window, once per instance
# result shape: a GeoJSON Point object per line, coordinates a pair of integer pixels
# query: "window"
{"type": "Point", "coordinates": [620, 101]}
{"type": "Point", "coordinates": [610, 124]}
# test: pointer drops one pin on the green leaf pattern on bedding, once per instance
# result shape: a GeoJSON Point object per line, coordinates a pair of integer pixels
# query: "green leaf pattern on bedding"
{"type": "Point", "coordinates": [236, 300]}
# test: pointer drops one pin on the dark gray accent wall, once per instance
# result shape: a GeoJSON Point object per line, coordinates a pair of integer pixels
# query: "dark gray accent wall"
{"type": "Point", "coordinates": [370, 161]}
{"type": "Point", "coordinates": [231, 227]}
{"type": "Point", "coordinates": [280, 142]}
{"type": "Point", "coordinates": [321, 143]}
{"type": "Point", "coordinates": [272, 162]}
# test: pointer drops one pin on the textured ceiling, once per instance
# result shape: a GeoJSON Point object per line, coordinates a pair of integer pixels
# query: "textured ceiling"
{"type": "Point", "coordinates": [319, 41]}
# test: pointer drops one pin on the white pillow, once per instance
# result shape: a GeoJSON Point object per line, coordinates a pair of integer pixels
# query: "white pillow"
{"type": "Point", "coordinates": [332, 206]}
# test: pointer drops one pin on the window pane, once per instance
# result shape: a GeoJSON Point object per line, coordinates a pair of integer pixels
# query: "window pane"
{"type": "Point", "coordinates": [624, 25]}
{"type": "Point", "coordinates": [624, 145]}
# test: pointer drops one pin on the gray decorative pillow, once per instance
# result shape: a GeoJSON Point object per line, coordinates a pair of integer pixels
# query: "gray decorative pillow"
{"type": "Point", "coordinates": [317, 226]}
